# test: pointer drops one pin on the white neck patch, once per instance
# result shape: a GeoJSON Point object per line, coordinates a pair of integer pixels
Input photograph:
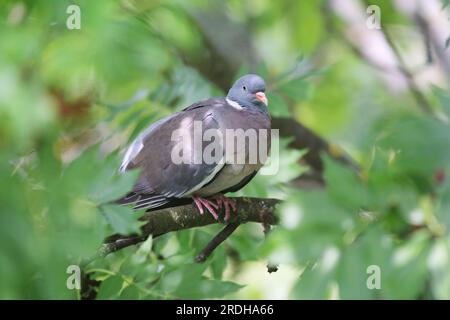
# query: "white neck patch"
{"type": "Point", "coordinates": [234, 104]}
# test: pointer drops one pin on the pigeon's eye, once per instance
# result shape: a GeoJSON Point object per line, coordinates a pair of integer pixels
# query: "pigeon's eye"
{"type": "Point", "coordinates": [245, 88]}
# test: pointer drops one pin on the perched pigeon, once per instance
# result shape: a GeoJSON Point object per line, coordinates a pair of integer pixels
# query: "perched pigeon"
{"type": "Point", "coordinates": [165, 179]}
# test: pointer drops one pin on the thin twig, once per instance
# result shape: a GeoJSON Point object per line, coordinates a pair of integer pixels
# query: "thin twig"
{"type": "Point", "coordinates": [400, 65]}
{"type": "Point", "coordinates": [216, 241]}
{"type": "Point", "coordinates": [421, 100]}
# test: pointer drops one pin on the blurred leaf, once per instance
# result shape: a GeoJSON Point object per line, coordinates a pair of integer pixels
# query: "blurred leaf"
{"type": "Point", "coordinates": [297, 89]}
{"type": "Point", "coordinates": [315, 281]}
{"type": "Point", "coordinates": [218, 263]}
{"type": "Point", "coordinates": [407, 276]}
{"type": "Point", "coordinates": [209, 288]}
{"type": "Point", "coordinates": [439, 263]}
{"type": "Point", "coordinates": [284, 167]}
{"type": "Point", "coordinates": [369, 249]}
{"type": "Point", "coordinates": [443, 97]}
{"type": "Point", "coordinates": [278, 106]}
{"type": "Point", "coordinates": [122, 219]}
{"type": "Point", "coordinates": [187, 282]}
{"type": "Point", "coordinates": [109, 288]}
{"type": "Point", "coordinates": [130, 293]}
{"type": "Point", "coordinates": [118, 185]}
{"type": "Point", "coordinates": [344, 185]}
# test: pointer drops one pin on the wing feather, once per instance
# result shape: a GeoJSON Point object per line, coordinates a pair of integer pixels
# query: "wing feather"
{"type": "Point", "coordinates": [161, 178]}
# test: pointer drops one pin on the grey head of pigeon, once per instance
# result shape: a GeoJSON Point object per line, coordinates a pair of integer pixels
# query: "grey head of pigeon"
{"type": "Point", "coordinates": [248, 92]}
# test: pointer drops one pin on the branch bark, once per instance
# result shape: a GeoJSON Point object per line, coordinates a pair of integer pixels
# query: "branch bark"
{"type": "Point", "coordinates": [159, 222]}
{"type": "Point", "coordinates": [216, 241]}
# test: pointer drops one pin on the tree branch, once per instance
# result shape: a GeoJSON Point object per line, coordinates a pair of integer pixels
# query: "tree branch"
{"type": "Point", "coordinates": [216, 241]}
{"type": "Point", "coordinates": [159, 222]}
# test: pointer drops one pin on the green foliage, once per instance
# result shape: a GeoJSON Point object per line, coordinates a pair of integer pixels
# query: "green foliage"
{"type": "Point", "coordinates": [121, 219]}
{"type": "Point", "coordinates": [70, 99]}
{"type": "Point", "coordinates": [386, 217]}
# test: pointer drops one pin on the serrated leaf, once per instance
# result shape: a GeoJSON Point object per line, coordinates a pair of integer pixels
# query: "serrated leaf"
{"type": "Point", "coordinates": [123, 220]}
{"type": "Point", "coordinates": [118, 186]}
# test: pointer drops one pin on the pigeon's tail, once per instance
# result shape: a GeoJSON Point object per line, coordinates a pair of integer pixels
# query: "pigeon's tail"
{"type": "Point", "coordinates": [151, 201]}
{"type": "Point", "coordinates": [128, 199]}
{"type": "Point", "coordinates": [143, 201]}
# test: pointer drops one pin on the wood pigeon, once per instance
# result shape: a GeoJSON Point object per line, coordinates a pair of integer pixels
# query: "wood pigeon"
{"type": "Point", "coordinates": [164, 182]}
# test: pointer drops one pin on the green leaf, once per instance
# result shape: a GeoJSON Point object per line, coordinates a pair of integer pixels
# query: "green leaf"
{"type": "Point", "coordinates": [315, 281]}
{"type": "Point", "coordinates": [278, 107]}
{"type": "Point", "coordinates": [208, 288]}
{"type": "Point", "coordinates": [297, 90]}
{"type": "Point", "coordinates": [284, 164]}
{"type": "Point", "coordinates": [110, 288]}
{"type": "Point", "coordinates": [443, 97]}
{"type": "Point", "coordinates": [130, 293]}
{"type": "Point", "coordinates": [439, 265]}
{"type": "Point", "coordinates": [407, 276]}
{"type": "Point", "coordinates": [410, 134]}
{"type": "Point", "coordinates": [218, 289]}
{"type": "Point", "coordinates": [310, 223]}
{"type": "Point", "coordinates": [344, 185]}
{"type": "Point", "coordinates": [218, 262]}
{"type": "Point", "coordinates": [370, 249]}
{"type": "Point", "coordinates": [118, 186]}
{"type": "Point", "coordinates": [185, 239]}
{"type": "Point", "coordinates": [123, 220]}
{"type": "Point", "coordinates": [181, 276]}
{"type": "Point", "coordinates": [144, 251]}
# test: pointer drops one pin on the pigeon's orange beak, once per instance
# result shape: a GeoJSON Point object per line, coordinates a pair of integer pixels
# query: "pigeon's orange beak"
{"type": "Point", "coordinates": [261, 96]}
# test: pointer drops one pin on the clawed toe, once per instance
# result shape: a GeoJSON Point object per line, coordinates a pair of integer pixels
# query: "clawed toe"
{"type": "Point", "coordinates": [222, 202]}
{"type": "Point", "coordinates": [209, 205]}
{"type": "Point", "coordinates": [228, 204]}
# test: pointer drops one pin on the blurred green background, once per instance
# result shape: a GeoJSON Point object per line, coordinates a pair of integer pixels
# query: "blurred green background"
{"type": "Point", "coordinates": [71, 100]}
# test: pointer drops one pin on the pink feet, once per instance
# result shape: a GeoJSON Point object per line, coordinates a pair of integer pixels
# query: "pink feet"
{"type": "Point", "coordinates": [228, 204]}
{"type": "Point", "coordinates": [209, 205]}
{"type": "Point", "coordinates": [222, 202]}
